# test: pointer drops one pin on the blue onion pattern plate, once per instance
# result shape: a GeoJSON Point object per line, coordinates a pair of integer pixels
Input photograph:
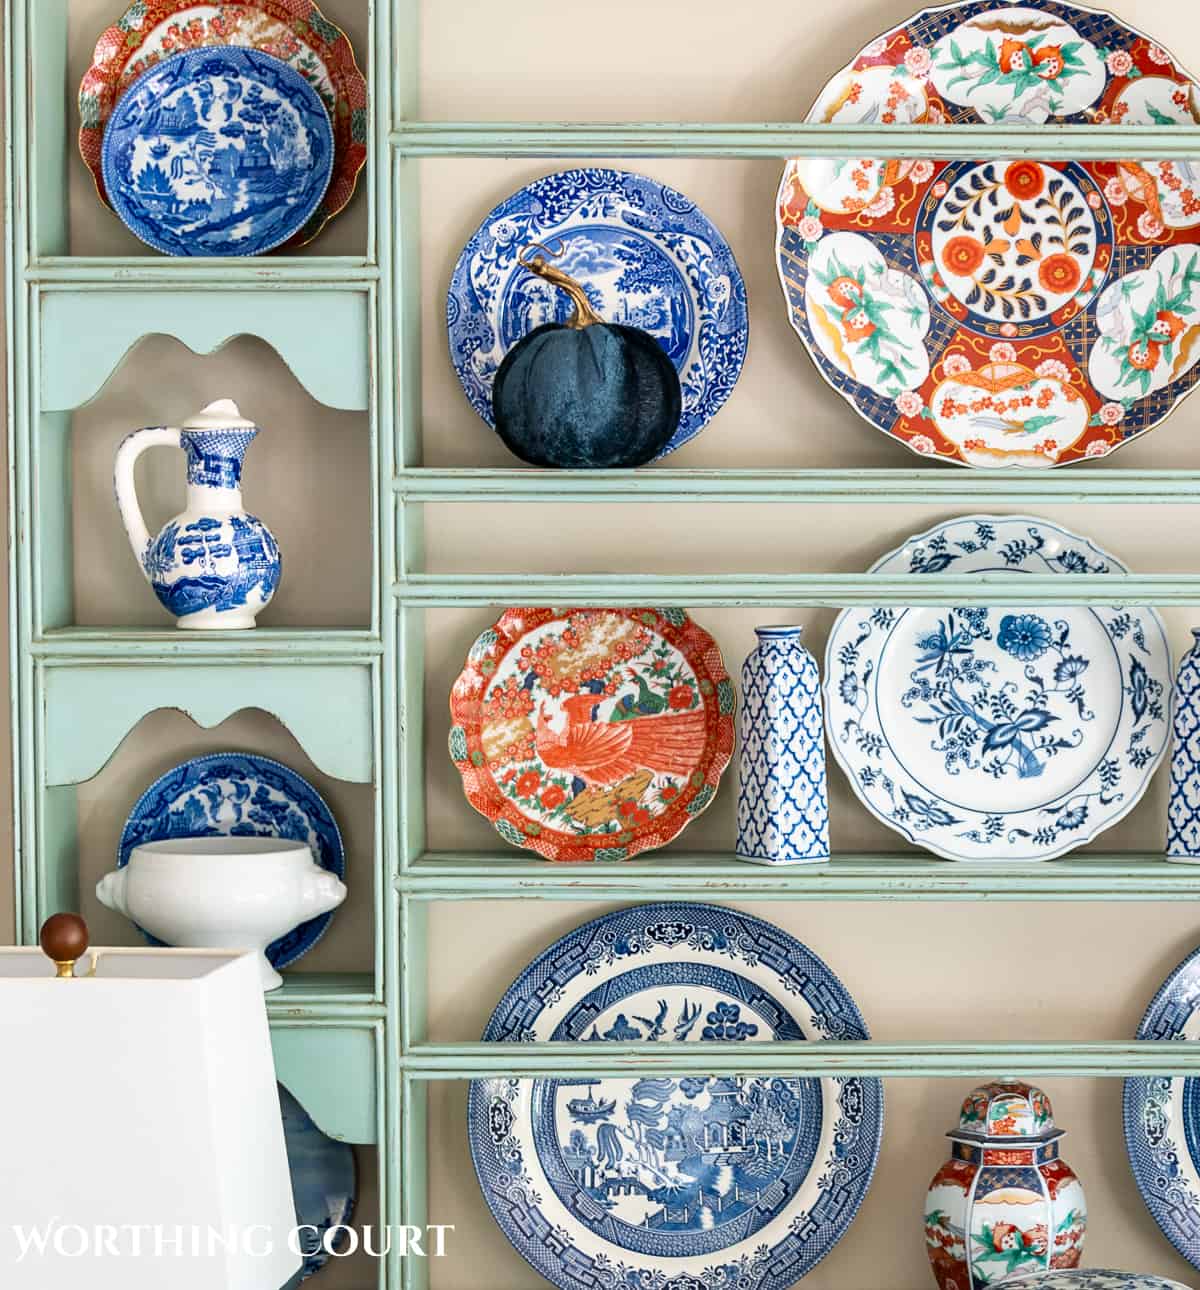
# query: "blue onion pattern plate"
{"type": "Point", "coordinates": [647, 256]}
{"type": "Point", "coordinates": [324, 1185]}
{"type": "Point", "coordinates": [998, 734]}
{"type": "Point", "coordinates": [1089, 1279]}
{"type": "Point", "coordinates": [221, 151]}
{"type": "Point", "coordinates": [240, 795]}
{"type": "Point", "coordinates": [1162, 1117]}
{"type": "Point", "coordinates": [692, 1182]}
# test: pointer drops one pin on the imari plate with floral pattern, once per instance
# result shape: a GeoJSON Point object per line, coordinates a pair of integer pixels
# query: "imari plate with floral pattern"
{"type": "Point", "coordinates": [647, 256]}
{"type": "Point", "coordinates": [592, 734]}
{"type": "Point", "coordinates": [658, 1182]}
{"type": "Point", "coordinates": [1162, 1117]}
{"type": "Point", "coordinates": [998, 734]}
{"type": "Point", "coordinates": [292, 30]}
{"type": "Point", "coordinates": [1000, 313]}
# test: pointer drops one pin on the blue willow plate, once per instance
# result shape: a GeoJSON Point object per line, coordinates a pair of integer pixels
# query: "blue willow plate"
{"type": "Point", "coordinates": [240, 795]}
{"type": "Point", "coordinates": [701, 1181]}
{"type": "Point", "coordinates": [648, 257]}
{"type": "Point", "coordinates": [1162, 1117]}
{"type": "Point", "coordinates": [998, 734]}
{"type": "Point", "coordinates": [218, 151]}
{"type": "Point", "coordinates": [324, 1184]}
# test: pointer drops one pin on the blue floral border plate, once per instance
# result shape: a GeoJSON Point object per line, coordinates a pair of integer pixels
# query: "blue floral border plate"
{"type": "Point", "coordinates": [998, 734]}
{"type": "Point", "coordinates": [324, 1184]}
{"type": "Point", "coordinates": [691, 1182]}
{"type": "Point", "coordinates": [240, 795]}
{"type": "Point", "coordinates": [220, 151]}
{"type": "Point", "coordinates": [647, 256]}
{"type": "Point", "coordinates": [1162, 1117]}
{"type": "Point", "coordinates": [1089, 1279]}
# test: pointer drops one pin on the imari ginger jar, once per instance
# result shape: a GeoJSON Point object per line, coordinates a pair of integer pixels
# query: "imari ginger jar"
{"type": "Point", "coordinates": [1183, 806]}
{"type": "Point", "coordinates": [1004, 1204]}
{"type": "Point", "coordinates": [783, 804]}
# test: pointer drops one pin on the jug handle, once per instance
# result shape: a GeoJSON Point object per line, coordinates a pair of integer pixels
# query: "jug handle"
{"type": "Point", "coordinates": [132, 447]}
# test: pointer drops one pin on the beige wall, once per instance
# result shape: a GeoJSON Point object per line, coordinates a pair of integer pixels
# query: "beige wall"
{"type": "Point", "coordinates": [928, 971]}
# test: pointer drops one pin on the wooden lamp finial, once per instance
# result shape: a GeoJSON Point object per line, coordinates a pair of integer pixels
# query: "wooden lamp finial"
{"type": "Point", "coordinates": [64, 939]}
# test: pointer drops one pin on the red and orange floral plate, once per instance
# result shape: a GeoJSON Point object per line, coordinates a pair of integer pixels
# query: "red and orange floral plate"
{"type": "Point", "coordinates": [1000, 313]}
{"type": "Point", "coordinates": [292, 30]}
{"type": "Point", "coordinates": [592, 734]}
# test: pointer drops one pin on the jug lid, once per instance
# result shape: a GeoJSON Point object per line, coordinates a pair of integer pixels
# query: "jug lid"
{"type": "Point", "coordinates": [221, 415]}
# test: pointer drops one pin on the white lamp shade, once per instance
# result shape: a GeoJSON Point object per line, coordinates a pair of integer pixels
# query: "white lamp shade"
{"type": "Point", "coordinates": [141, 1126]}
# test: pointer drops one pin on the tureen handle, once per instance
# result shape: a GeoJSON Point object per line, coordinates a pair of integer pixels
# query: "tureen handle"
{"type": "Point", "coordinates": [111, 890]}
{"type": "Point", "coordinates": [132, 447]}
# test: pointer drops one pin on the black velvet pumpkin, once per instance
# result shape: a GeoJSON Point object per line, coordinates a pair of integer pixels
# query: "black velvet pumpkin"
{"type": "Point", "coordinates": [585, 393]}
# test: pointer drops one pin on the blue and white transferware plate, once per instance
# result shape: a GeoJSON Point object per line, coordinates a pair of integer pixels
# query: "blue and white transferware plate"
{"type": "Point", "coordinates": [324, 1184]}
{"type": "Point", "coordinates": [240, 795]}
{"type": "Point", "coordinates": [1162, 1117]}
{"type": "Point", "coordinates": [222, 151]}
{"type": "Point", "coordinates": [998, 734]}
{"type": "Point", "coordinates": [691, 1182]}
{"type": "Point", "coordinates": [1089, 1279]}
{"type": "Point", "coordinates": [648, 257]}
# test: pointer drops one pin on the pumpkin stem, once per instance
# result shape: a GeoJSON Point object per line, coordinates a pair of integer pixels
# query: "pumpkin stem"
{"type": "Point", "coordinates": [584, 315]}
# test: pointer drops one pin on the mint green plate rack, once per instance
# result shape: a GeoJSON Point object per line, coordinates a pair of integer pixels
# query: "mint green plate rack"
{"type": "Point", "coordinates": [354, 1048]}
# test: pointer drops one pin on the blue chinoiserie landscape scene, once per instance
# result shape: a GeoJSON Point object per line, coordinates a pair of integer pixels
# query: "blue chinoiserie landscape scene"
{"type": "Point", "coordinates": [218, 152]}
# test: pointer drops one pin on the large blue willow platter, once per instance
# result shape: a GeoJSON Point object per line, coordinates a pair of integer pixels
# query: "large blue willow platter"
{"type": "Point", "coordinates": [1162, 1117]}
{"type": "Point", "coordinates": [998, 734]}
{"type": "Point", "coordinates": [647, 256]}
{"type": "Point", "coordinates": [221, 151]}
{"type": "Point", "coordinates": [240, 795]}
{"type": "Point", "coordinates": [696, 1181]}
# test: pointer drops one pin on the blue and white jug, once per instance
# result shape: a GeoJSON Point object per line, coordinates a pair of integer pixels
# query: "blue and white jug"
{"type": "Point", "coordinates": [783, 803]}
{"type": "Point", "coordinates": [213, 566]}
{"type": "Point", "coordinates": [1183, 804]}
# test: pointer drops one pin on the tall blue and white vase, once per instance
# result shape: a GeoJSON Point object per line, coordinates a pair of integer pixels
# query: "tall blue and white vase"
{"type": "Point", "coordinates": [783, 802]}
{"type": "Point", "coordinates": [1183, 805]}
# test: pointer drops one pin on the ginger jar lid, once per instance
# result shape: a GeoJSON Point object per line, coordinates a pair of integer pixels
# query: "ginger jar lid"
{"type": "Point", "coordinates": [1006, 1111]}
{"type": "Point", "coordinates": [224, 414]}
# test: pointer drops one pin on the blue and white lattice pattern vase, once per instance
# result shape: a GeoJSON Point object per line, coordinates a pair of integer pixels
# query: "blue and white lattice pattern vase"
{"type": "Point", "coordinates": [1183, 806]}
{"type": "Point", "coordinates": [783, 803]}
{"type": "Point", "coordinates": [214, 565]}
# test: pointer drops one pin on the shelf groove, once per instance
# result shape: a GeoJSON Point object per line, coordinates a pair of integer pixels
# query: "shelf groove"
{"type": "Point", "coordinates": [97, 273]}
{"type": "Point", "coordinates": [782, 139]}
{"type": "Point", "coordinates": [1059, 487]}
{"type": "Point", "coordinates": [992, 590]}
{"type": "Point", "coordinates": [611, 1059]}
{"type": "Point", "coordinates": [496, 876]}
{"type": "Point", "coordinates": [137, 644]}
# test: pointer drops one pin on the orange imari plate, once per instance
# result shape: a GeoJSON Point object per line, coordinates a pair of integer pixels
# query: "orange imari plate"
{"type": "Point", "coordinates": [1000, 313]}
{"type": "Point", "coordinates": [292, 30]}
{"type": "Point", "coordinates": [592, 734]}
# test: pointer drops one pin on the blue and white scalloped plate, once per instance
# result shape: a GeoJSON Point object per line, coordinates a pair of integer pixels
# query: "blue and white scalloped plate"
{"type": "Point", "coordinates": [999, 734]}
{"type": "Point", "coordinates": [240, 795]}
{"type": "Point", "coordinates": [687, 1182]}
{"type": "Point", "coordinates": [1089, 1279]}
{"type": "Point", "coordinates": [1162, 1117]}
{"type": "Point", "coordinates": [648, 257]}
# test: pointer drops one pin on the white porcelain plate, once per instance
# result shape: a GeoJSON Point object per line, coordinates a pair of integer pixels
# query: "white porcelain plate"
{"type": "Point", "coordinates": [998, 734]}
{"type": "Point", "coordinates": [657, 1182]}
{"type": "Point", "coordinates": [1162, 1117]}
